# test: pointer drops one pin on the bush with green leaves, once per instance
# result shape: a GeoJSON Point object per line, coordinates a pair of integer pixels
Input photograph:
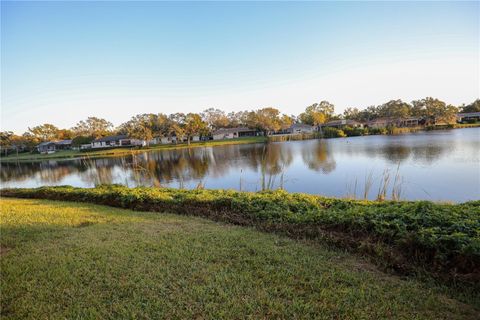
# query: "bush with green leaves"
{"type": "Point", "coordinates": [441, 238]}
{"type": "Point", "coordinates": [353, 132]}
{"type": "Point", "coordinates": [329, 132]}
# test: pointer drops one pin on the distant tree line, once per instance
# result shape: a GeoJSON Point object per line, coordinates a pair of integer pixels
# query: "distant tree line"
{"type": "Point", "coordinates": [184, 126]}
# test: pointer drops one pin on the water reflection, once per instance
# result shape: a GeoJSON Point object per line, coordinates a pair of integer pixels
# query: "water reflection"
{"type": "Point", "coordinates": [443, 157]}
{"type": "Point", "coordinates": [319, 158]}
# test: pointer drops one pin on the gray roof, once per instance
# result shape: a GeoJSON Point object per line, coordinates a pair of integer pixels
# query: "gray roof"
{"type": "Point", "coordinates": [112, 138]}
{"type": "Point", "coordinates": [64, 142]}
{"type": "Point", "coordinates": [341, 123]}
{"type": "Point", "coordinates": [44, 144]}
{"type": "Point", "coordinates": [468, 114]}
{"type": "Point", "coordinates": [232, 130]}
{"type": "Point", "coordinates": [300, 125]}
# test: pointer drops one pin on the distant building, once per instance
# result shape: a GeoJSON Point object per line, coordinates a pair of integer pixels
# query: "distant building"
{"type": "Point", "coordinates": [53, 146]}
{"type": "Point", "coordinates": [46, 147]}
{"type": "Point", "coordinates": [343, 123]}
{"type": "Point", "coordinates": [232, 133]}
{"type": "Point", "coordinates": [380, 123]}
{"type": "Point", "coordinates": [298, 128]}
{"type": "Point", "coordinates": [470, 116]}
{"type": "Point", "coordinates": [63, 144]}
{"type": "Point", "coordinates": [410, 122]}
{"type": "Point", "coordinates": [116, 141]}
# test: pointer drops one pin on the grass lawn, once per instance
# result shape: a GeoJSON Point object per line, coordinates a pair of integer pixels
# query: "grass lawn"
{"type": "Point", "coordinates": [69, 260]}
{"type": "Point", "coordinates": [67, 154]}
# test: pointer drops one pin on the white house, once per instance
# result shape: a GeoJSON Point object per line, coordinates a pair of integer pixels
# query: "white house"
{"type": "Point", "coordinates": [116, 141]}
{"type": "Point", "coordinates": [298, 128]}
{"type": "Point", "coordinates": [343, 123]}
{"type": "Point", "coordinates": [233, 133]}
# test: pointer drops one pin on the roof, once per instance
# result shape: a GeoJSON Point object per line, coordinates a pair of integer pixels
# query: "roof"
{"type": "Point", "coordinates": [64, 142]}
{"type": "Point", "coordinates": [300, 125]}
{"type": "Point", "coordinates": [340, 123]}
{"type": "Point", "coordinates": [112, 138]}
{"type": "Point", "coordinates": [468, 114]}
{"type": "Point", "coordinates": [44, 144]}
{"type": "Point", "coordinates": [232, 130]}
{"type": "Point", "coordinates": [380, 120]}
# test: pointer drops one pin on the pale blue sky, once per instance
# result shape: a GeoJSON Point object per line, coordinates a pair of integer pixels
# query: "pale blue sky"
{"type": "Point", "coordinates": [65, 61]}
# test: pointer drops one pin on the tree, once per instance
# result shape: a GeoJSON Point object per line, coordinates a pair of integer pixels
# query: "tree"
{"type": "Point", "coordinates": [161, 125]}
{"type": "Point", "coordinates": [266, 119]}
{"type": "Point", "coordinates": [140, 127]}
{"type": "Point", "coordinates": [351, 114]}
{"type": "Point", "coordinates": [79, 140]}
{"type": "Point", "coordinates": [317, 113]}
{"type": "Point", "coordinates": [394, 109]}
{"type": "Point", "coordinates": [5, 140]}
{"type": "Point", "coordinates": [472, 107]}
{"type": "Point", "coordinates": [45, 132]}
{"type": "Point", "coordinates": [64, 134]}
{"type": "Point", "coordinates": [286, 121]}
{"type": "Point", "coordinates": [194, 125]}
{"type": "Point", "coordinates": [434, 110]}
{"type": "Point", "coordinates": [93, 127]}
{"type": "Point", "coordinates": [177, 126]}
{"type": "Point", "coordinates": [215, 118]}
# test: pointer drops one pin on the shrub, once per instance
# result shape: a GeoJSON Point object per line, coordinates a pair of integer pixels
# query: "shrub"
{"type": "Point", "coordinates": [442, 238]}
{"type": "Point", "coordinates": [353, 132]}
{"type": "Point", "coordinates": [329, 132]}
{"type": "Point", "coordinates": [377, 131]}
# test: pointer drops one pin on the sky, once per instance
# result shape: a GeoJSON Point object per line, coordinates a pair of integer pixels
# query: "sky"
{"type": "Point", "coordinates": [64, 61]}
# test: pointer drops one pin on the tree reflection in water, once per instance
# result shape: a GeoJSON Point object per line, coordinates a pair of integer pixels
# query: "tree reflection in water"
{"type": "Point", "coordinates": [269, 166]}
{"type": "Point", "coordinates": [319, 158]}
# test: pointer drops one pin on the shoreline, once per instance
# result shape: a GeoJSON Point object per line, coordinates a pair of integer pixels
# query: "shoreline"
{"type": "Point", "coordinates": [117, 152]}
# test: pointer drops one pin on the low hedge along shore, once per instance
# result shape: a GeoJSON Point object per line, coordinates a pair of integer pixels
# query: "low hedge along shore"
{"type": "Point", "coordinates": [443, 239]}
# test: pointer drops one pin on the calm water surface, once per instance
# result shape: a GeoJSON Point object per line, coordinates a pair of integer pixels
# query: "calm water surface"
{"type": "Point", "coordinates": [438, 165]}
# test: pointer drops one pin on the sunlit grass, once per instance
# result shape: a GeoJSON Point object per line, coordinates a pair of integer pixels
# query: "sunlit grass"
{"type": "Point", "coordinates": [67, 260]}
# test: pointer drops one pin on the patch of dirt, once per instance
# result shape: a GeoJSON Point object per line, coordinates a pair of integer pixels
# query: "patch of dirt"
{"type": "Point", "coordinates": [4, 250]}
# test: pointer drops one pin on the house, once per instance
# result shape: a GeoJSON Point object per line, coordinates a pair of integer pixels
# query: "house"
{"type": "Point", "coordinates": [468, 117]}
{"type": "Point", "coordinates": [232, 133]}
{"type": "Point", "coordinates": [63, 144]}
{"type": "Point", "coordinates": [298, 128]}
{"type": "Point", "coordinates": [343, 123]}
{"type": "Point", "coordinates": [381, 123]}
{"type": "Point", "coordinates": [53, 146]}
{"type": "Point", "coordinates": [47, 147]}
{"type": "Point", "coordinates": [410, 122]}
{"type": "Point", "coordinates": [116, 141]}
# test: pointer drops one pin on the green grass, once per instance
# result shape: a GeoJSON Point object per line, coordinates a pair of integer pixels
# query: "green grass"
{"type": "Point", "coordinates": [80, 261]}
{"type": "Point", "coordinates": [406, 236]}
{"type": "Point", "coordinates": [70, 154]}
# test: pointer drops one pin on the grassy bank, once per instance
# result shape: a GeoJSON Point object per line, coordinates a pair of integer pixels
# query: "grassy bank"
{"type": "Point", "coordinates": [71, 154]}
{"type": "Point", "coordinates": [65, 260]}
{"type": "Point", "coordinates": [443, 239]}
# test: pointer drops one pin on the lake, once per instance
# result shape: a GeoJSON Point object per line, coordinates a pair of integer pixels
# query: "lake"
{"type": "Point", "coordinates": [434, 165]}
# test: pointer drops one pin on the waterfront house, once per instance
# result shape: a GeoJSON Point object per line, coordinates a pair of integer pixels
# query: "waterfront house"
{"type": "Point", "coordinates": [298, 128]}
{"type": "Point", "coordinates": [63, 144]}
{"type": "Point", "coordinates": [343, 123]}
{"type": "Point", "coordinates": [233, 133]}
{"type": "Point", "coordinates": [116, 141]}
{"type": "Point", "coordinates": [53, 146]}
{"type": "Point", "coordinates": [410, 122]}
{"type": "Point", "coordinates": [46, 147]}
{"type": "Point", "coordinates": [381, 123]}
{"type": "Point", "coordinates": [468, 117]}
